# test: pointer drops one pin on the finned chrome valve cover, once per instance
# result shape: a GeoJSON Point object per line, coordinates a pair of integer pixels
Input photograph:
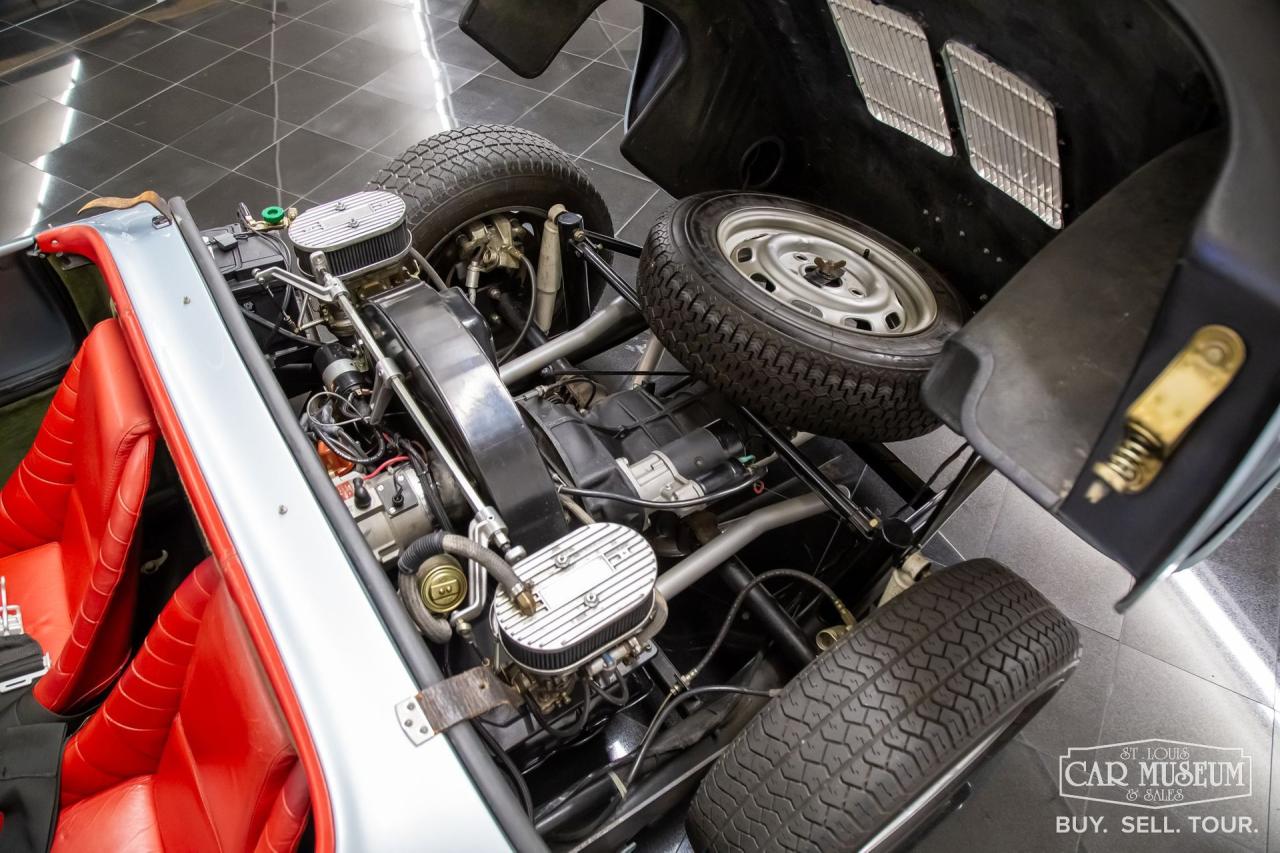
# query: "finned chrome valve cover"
{"type": "Point", "coordinates": [594, 587]}
{"type": "Point", "coordinates": [357, 233]}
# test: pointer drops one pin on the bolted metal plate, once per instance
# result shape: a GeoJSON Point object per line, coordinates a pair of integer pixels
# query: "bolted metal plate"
{"type": "Point", "coordinates": [1009, 129]}
{"type": "Point", "coordinates": [593, 587]}
{"type": "Point", "coordinates": [891, 62]}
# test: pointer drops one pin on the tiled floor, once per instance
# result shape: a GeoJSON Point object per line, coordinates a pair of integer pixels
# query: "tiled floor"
{"type": "Point", "coordinates": [206, 99]}
{"type": "Point", "coordinates": [117, 96]}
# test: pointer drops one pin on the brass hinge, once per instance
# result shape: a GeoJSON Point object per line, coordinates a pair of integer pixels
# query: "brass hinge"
{"type": "Point", "coordinates": [1160, 418]}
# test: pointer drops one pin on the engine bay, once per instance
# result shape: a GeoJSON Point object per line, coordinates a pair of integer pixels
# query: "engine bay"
{"type": "Point", "coordinates": [545, 488]}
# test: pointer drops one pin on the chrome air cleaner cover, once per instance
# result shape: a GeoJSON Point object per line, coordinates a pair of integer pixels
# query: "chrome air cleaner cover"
{"type": "Point", "coordinates": [594, 587]}
{"type": "Point", "coordinates": [357, 233]}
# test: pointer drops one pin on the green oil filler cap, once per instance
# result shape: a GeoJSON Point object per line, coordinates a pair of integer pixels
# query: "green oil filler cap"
{"type": "Point", "coordinates": [273, 215]}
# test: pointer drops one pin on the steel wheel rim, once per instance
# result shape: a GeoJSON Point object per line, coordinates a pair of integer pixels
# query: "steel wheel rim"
{"type": "Point", "coordinates": [834, 274]}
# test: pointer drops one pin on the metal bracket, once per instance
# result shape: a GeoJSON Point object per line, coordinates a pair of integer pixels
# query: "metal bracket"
{"type": "Point", "coordinates": [413, 721]}
{"type": "Point", "coordinates": [1160, 418]}
{"type": "Point", "coordinates": [446, 703]}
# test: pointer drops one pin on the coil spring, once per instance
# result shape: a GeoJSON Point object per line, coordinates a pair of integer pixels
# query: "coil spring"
{"type": "Point", "coordinates": [1129, 459]}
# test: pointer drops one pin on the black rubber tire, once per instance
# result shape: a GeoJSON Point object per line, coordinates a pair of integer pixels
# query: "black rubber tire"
{"type": "Point", "coordinates": [783, 364]}
{"type": "Point", "coordinates": [897, 704]}
{"type": "Point", "coordinates": [450, 178]}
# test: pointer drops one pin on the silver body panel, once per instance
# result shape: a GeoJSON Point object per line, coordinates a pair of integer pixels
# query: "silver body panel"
{"type": "Point", "coordinates": [386, 794]}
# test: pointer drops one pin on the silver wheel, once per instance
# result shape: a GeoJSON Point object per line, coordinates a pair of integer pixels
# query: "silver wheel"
{"type": "Point", "coordinates": [834, 274]}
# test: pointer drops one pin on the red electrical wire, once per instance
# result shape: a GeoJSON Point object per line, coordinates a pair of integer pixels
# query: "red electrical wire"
{"type": "Point", "coordinates": [393, 460]}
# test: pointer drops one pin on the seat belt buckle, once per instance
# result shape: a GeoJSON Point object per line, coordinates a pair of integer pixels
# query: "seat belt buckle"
{"type": "Point", "coordinates": [22, 660]}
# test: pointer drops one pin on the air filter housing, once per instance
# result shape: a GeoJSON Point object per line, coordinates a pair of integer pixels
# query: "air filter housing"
{"type": "Point", "coordinates": [594, 587]}
{"type": "Point", "coordinates": [358, 233]}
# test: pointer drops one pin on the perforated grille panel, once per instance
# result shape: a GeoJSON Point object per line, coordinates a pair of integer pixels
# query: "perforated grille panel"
{"type": "Point", "coordinates": [891, 62]}
{"type": "Point", "coordinates": [1009, 129]}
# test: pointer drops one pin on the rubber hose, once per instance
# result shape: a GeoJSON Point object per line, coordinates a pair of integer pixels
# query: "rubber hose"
{"type": "Point", "coordinates": [434, 627]}
{"type": "Point", "coordinates": [462, 547]}
{"type": "Point", "coordinates": [428, 270]}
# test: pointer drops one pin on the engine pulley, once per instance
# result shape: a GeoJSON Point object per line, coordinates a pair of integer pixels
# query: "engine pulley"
{"type": "Point", "coordinates": [444, 347]}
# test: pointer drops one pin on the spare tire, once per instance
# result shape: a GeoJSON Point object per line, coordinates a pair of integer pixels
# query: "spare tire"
{"type": "Point", "coordinates": [803, 315]}
{"type": "Point", "coordinates": [867, 743]}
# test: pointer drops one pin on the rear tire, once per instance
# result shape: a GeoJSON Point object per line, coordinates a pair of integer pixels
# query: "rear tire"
{"type": "Point", "coordinates": [866, 743]}
{"type": "Point", "coordinates": [453, 178]}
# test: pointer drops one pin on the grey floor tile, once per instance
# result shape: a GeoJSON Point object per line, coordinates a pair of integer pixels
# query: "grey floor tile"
{"type": "Point", "coordinates": [127, 38]}
{"type": "Point", "coordinates": [1081, 582]}
{"type": "Point", "coordinates": [1273, 815]}
{"type": "Point", "coordinates": [1013, 805]}
{"type": "Point", "coordinates": [591, 39]}
{"type": "Point", "coordinates": [298, 97]}
{"type": "Point", "coordinates": [621, 13]}
{"type": "Point", "coordinates": [112, 92]}
{"type": "Point", "coordinates": [625, 194]}
{"type": "Point", "coordinates": [179, 57]}
{"type": "Point", "coordinates": [598, 85]}
{"type": "Point", "coordinates": [363, 118]}
{"type": "Point", "coordinates": [352, 16]}
{"type": "Point", "coordinates": [926, 453]}
{"type": "Point", "coordinates": [16, 100]}
{"type": "Point", "coordinates": [606, 152]}
{"type": "Point", "coordinates": [422, 123]}
{"type": "Point", "coordinates": [351, 179]}
{"type": "Point", "coordinates": [73, 20]}
{"type": "Point", "coordinates": [96, 155]}
{"type": "Point", "coordinates": [394, 36]}
{"type": "Point", "coordinates": [171, 114]}
{"type": "Point", "coordinates": [1220, 619]}
{"type": "Point", "coordinates": [239, 26]}
{"type": "Point", "coordinates": [458, 48]}
{"type": "Point", "coordinates": [237, 76]}
{"type": "Point", "coordinates": [296, 43]}
{"type": "Point", "coordinates": [53, 75]}
{"type": "Point", "coordinates": [291, 8]}
{"type": "Point", "coordinates": [185, 14]}
{"type": "Point", "coordinates": [970, 526]}
{"type": "Point", "coordinates": [169, 172]}
{"type": "Point", "coordinates": [42, 129]}
{"type": "Point", "coordinates": [234, 136]}
{"type": "Point", "coordinates": [19, 46]}
{"type": "Point", "coordinates": [637, 228]}
{"type": "Point", "coordinates": [67, 213]}
{"type": "Point", "coordinates": [574, 127]}
{"type": "Point", "coordinates": [216, 203]}
{"type": "Point", "coordinates": [1152, 699]}
{"type": "Point", "coordinates": [564, 66]}
{"type": "Point", "coordinates": [487, 100]}
{"type": "Point", "coordinates": [355, 61]}
{"type": "Point", "coordinates": [419, 81]}
{"type": "Point", "coordinates": [624, 52]}
{"type": "Point", "coordinates": [306, 160]}
{"type": "Point", "coordinates": [30, 196]}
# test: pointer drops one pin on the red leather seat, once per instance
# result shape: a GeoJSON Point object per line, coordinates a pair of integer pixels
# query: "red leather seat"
{"type": "Point", "coordinates": [189, 751]}
{"type": "Point", "coordinates": [68, 516]}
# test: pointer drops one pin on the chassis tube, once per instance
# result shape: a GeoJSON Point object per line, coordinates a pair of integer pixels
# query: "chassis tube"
{"type": "Point", "coordinates": [599, 324]}
{"type": "Point", "coordinates": [683, 574]}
